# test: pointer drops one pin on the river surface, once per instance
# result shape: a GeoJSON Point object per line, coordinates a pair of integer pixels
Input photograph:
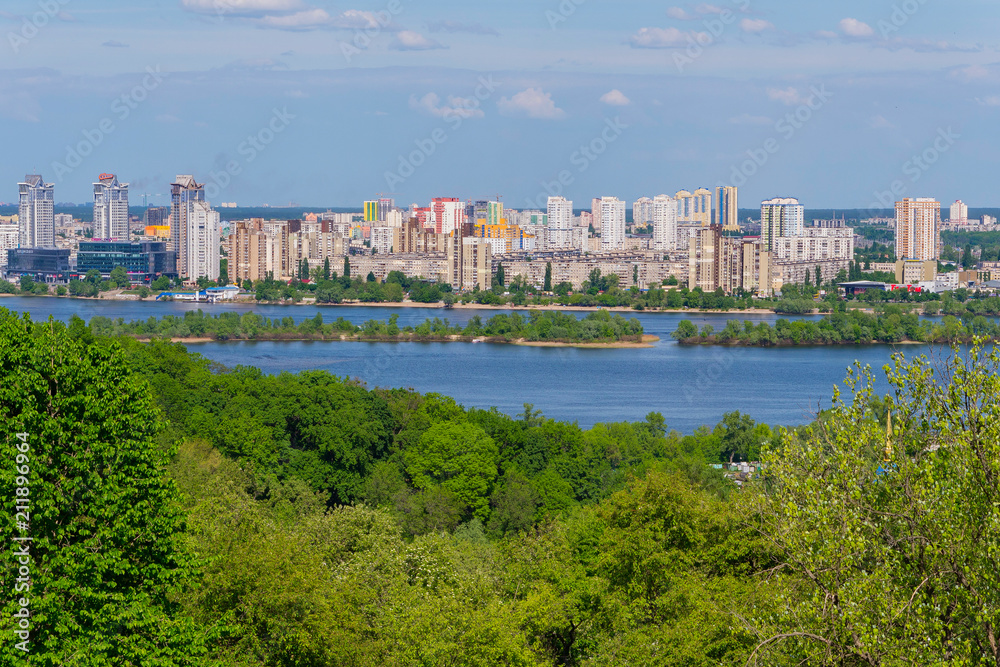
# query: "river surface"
{"type": "Point", "coordinates": [690, 386]}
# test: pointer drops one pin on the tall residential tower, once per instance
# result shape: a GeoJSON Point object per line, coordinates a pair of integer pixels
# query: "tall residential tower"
{"type": "Point", "coordinates": [917, 229]}
{"type": "Point", "coordinates": [780, 218]}
{"type": "Point", "coordinates": [183, 192]}
{"type": "Point", "coordinates": [110, 208]}
{"type": "Point", "coordinates": [35, 213]}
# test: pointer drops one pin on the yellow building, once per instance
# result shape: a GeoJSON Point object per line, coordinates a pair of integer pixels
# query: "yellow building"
{"type": "Point", "coordinates": [158, 231]}
{"type": "Point", "coordinates": [371, 211]}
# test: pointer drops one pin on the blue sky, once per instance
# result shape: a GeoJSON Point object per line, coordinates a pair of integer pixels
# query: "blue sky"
{"type": "Point", "coordinates": [328, 103]}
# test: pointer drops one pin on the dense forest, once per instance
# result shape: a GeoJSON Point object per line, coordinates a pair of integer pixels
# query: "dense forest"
{"type": "Point", "coordinates": [545, 326]}
{"type": "Point", "coordinates": [188, 514]}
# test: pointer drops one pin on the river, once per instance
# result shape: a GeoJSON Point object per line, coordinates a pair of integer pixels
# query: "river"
{"type": "Point", "coordinates": [690, 386]}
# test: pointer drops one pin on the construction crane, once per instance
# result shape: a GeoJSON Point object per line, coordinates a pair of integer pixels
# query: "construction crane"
{"type": "Point", "coordinates": [145, 199]}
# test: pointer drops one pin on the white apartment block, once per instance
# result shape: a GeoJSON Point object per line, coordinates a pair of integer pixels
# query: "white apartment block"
{"type": "Point", "coordinates": [694, 208]}
{"type": "Point", "coordinates": [664, 223]}
{"type": "Point", "coordinates": [111, 208]}
{"type": "Point", "coordinates": [612, 224]}
{"type": "Point", "coordinates": [37, 227]}
{"type": "Point", "coordinates": [560, 224]}
{"type": "Point", "coordinates": [202, 238]}
{"type": "Point", "coordinates": [815, 245]}
{"type": "Point", "coordinates": [382, 239]}
{"type": "Point", "coordinates": [10, 236]}
{"type": "Point", "coordinates": [959, 213]}
{"type": "Point", "coordinates": [780, 217]}
{"type": "Point", "coordinates": [642, 212]}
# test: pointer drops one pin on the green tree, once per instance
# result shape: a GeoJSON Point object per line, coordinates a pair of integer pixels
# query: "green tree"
{"type": "Point", "coordinates": [347, 267]}
{"type": "Point", "coordinates": [326, 268]}
{"type": "Point", "coordinates": [119, 277]}
{"type": "Point", "coordinates": [500, 279]}
{"type": "Point", "coordinates": [106, 560]}
{"type": "Point", "coordinates": [27, 284]}
{"type": "Point", "coordinates": [461, 458]}
{"type": "Point", "coordinates": [884, 531]}
{"type": "Point", "coordinates": [739, 441]}
{"type": "Point", "coordinates": [160, 284]}
{"type": "Point", "coordinates": [547, 285]}
{"type": "Point", "coordinates": [635, 274]}
{"type": "Point", "coordinates": [968, 259]}
{"type": "Point", "coordinates": [685, 329]}
{"type": "Point", "coordinates": [819, 276]}
{"type": "Point", "coordinates": [371, 277]}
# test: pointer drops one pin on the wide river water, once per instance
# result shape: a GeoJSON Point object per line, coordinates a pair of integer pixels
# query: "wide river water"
{"type": "Point", "coordinates": [690, 386]}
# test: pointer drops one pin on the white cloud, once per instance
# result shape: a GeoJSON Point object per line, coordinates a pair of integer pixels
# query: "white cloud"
{"type": "Point", "coordinates": [708, 9]}
{"type": "Point", "coordinates": [991, 101]}
{"type": "Point", "coordinates": [664, 38]}
{"type": "Point", "coordinates": [970, 73]}
{"type": "Point", "coordinates": [356, 19]}
{"type": "Point", "coordinates": [461, 107]}
{"type": "Point", "coordinates": [747, 119]}
{"type": "Point", "coordinates": [223, 7]}
{"type": "Point", "coordinates": [857, 29]}
{"type": "Point", "coordinates": [879, 123]}
{"type": "Point", "coordinates": [296, 94]}
{"type": "Point", "coordinates": [533, 103]}
{"type": "Point", "coordinates": [167, 118]}
{"type": "Point", "coordinates": [755, 25]}
{"type": "Point", "coordinates": [827, 34]}
{"type": "Point", "coordinates": [616, 98]}
{"type": "Point", "coordinates": [407, 40]}
{"type": "Point", "coordinates": [679, 14]}
{"type": "Point", "coordinates": [304, 20]}
{"type": "Point", "coordinates": [789, 96]}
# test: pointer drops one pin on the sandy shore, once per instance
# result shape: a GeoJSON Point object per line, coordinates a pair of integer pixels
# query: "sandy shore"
{"type": "Point", "coordinates": [647, 342]}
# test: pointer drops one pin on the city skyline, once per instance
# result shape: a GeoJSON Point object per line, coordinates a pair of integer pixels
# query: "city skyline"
{"type": "Point", "coordinates": [594, 98]}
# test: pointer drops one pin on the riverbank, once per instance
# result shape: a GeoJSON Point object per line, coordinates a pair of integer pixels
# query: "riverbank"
{"type": "Point", "coordinates": [645, 342]}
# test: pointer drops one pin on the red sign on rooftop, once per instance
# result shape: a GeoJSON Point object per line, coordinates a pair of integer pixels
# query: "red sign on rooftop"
{"type": "Point", "coordinates": [106, 177]}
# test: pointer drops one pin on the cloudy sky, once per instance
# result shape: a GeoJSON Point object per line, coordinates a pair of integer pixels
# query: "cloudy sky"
{"type": "Point", "coordinates": [328, 103]}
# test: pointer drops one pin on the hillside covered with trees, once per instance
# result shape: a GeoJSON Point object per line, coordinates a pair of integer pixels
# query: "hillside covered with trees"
{"type": "Point", "coordinates": [189, 514]}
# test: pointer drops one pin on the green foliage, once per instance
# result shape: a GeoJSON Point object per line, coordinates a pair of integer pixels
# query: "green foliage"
{"type": "Point", "coordinates": [106, 561]}
{"type": "Point", "coordinates": [885, 534]}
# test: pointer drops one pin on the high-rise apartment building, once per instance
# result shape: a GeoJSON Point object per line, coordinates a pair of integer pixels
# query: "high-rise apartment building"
{"type": "Point", "coordinates": [494, 213]}
{"type": "Point", "coordinates": [202, 238]}
{"type": "Point", "coordinates": [560, 216]}
{"type": "Point", "coordinates": [642, 212]}
{"type": "Point", "coordinates": [371, 211]}
{"type": "Point", "coordinates": [917, 229]}
{"type": "Point", "coordinates": [664, 223]}
{"type": "Point", "coordinates": [157, 216]}
{"type": "Point", "coordinates": [612, 224]}
{"type": "Point", "coordinates": [694, 208]}
{"type": "Point", "coordinates": [447, 215]}
{"type": "Point", "coordinates": [184, 191]}
{"type": "Point", "coordinates": [959, 213]}
{"type": "Point", "coordinates": [35, 213]}
{"type": "Point", "coordinates": [779, 218]}
{"type": "Point", "coordinates": [727, 208]}
{"type": "Point", "coordinates": [247, 251]}
{"type": "Point", "coordinates": [110, 208]}
{"type": "Point", "coordinates": [595, 212]}
{"type": "Point", "coordinates": [10, 236]}
{"type": "Point", "coordinates": [705, 258]}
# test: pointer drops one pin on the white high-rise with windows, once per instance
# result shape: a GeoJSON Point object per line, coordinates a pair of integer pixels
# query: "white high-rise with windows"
{"type": "Point", "coordinates": [642, 212]}
{"type": "Point", "coordinates": [202, 238]}
{"type": "Point", "coordinates": [612, 224]}
{"type": "Point", "coordinates": [664, 223]}
{"type": "Point", "coordinates": [959, 213]}
{"type": "Point", "coordinates": [35, 213]}
{"type": "Point", "coordinates": [110, 208]}
{"type": "Point", "coordinates": [781, 217]}
{"type": "Point", "coordinates": [560, 216]}
{"type": "Point", "coordinates": [183, 191]}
